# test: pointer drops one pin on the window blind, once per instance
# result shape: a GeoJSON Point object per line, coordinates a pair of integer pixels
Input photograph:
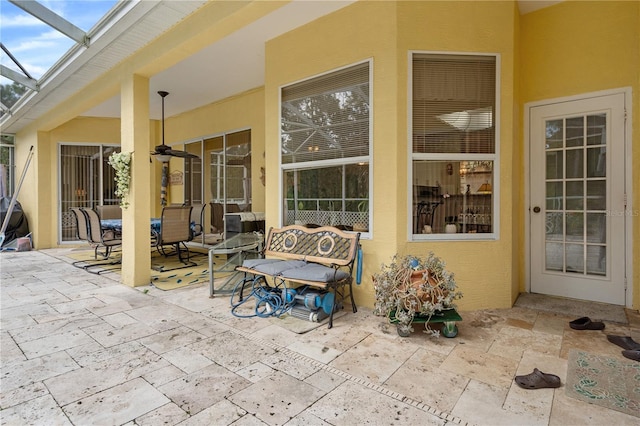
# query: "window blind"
{"type": "Point", "coordinates": [454, 103]}
{"type": "Point", "coordinates": [326, 117]}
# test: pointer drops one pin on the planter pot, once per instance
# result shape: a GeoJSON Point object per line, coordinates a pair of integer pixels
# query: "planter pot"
{"type": "Point", "coordinates": [423, 294]}
{"type": "Point", "coordinates": [450, 228]}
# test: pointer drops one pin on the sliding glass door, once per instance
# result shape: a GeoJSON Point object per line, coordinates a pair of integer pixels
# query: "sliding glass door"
{"type": "Point", "coordinates": [86, 180]}
{"type": "Point", "coordinates": [222, 176]}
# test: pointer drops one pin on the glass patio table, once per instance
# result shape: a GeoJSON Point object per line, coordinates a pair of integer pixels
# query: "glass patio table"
{"type": "Point", "coordinates": [233, 247]}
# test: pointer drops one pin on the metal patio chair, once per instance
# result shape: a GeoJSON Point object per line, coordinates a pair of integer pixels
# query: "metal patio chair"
{"type": "Point", "coordinates": [175, 231]}
{"type": "Point", "coordinates": [105, 239]}
{"type": "Point", "coordinates": [197, 221]}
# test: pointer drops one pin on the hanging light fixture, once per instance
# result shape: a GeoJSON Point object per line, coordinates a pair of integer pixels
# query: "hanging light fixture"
{"type": "Point", "coordinates": [163, 152]}
{"type": "Point", "coordinates": [161, 156]}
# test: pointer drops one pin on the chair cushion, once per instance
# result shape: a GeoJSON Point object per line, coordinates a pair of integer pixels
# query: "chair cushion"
{"type": "Point", "coordinates": [315, 272]}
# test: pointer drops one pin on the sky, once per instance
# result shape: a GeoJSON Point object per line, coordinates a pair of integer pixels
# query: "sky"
{"type": "Point", "coordinates": [38, 46]}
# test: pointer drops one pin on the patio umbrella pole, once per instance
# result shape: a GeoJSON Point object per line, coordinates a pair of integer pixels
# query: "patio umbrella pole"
{"type": "Point", "coordinates": [12, 204]}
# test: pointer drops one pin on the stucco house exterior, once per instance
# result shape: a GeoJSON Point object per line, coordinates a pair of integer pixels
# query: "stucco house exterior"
{"type": "Point", "coordinates": [542, 106]}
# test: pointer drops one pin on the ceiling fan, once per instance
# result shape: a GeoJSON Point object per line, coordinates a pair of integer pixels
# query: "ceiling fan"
{"type": "Point", "coordinates": [164, 152]}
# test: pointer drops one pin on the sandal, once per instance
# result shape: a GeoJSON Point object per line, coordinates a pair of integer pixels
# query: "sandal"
{"type": "Point", "coordinates": [538, 380]}
{"type": "Point", "coordinates": [585, 323]}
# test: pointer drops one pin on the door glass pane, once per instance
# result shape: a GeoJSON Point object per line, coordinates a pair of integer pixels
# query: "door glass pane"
{"type": "Point", "coordinates": [596, 191]}
{"type": "Point", "coordinates": [575, 257]}
{"type": "Point", "coordinates": [554, 257]}
{"type": "Point", "coordinates": [554, 165]}
{"type": "Point", "coordinates": [575, 131]}
{"type": "Point", "coordinates": [575, 227]}
{"type": "Point", "coordinates": [575, 168]}
{"type": "Point", "coordinates": [596, 129]}
{"type": "Point", "coordinates": [597, 260]}
{"type": "Point", "coordinates": [193, 174]}
{"type": "Point", "coordinates": [554, 227]}
{"type": "Point", "coordinates": [575, 195]}
{"type": "Point", "coordinates": [554, 196]}
{"type": "Point", "coordinates": [596, 228]}
{"type": "Point", "coordinates": [238, 169]}
{"type": "Point", "coordinates": [554, 133]}
{"type": "Point", "coordinates": [596, 162]}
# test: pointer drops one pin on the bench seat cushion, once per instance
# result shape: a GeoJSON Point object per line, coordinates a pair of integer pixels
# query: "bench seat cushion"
{"type": "Point", "coordinates": [314, 272]}
{"type": "Point", "coordinates": [278, 267]}
{"type": "Point", "coordinates": [252, 263]}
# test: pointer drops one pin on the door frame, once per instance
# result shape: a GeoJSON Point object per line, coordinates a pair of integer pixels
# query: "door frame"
{"type": "Point", "coordinates": [628, 179]}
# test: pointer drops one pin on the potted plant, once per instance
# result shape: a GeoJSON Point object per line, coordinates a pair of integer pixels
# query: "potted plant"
{"type": "Point", "coordinates": [121, 162]}
{"type": "Point", "coordinates": [411, 286]}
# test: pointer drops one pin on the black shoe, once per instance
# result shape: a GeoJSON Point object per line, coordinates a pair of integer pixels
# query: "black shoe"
{"type": "Point", "coordinates": [634, 355]}
{"type": "Point", "coordinates": [625, 342]}
{"type": "Point", "coordinates": [585, 323]}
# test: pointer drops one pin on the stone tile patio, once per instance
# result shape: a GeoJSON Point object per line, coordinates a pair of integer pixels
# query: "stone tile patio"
{"type": "Point", "coordinates": [82, 349]}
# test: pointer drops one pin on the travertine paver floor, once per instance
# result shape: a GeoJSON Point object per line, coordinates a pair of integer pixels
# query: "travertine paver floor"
{"type": "Point", "coordinates": [82, 349]}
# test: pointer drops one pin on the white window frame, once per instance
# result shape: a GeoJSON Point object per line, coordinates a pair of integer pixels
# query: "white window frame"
{"type": "Point", "coordinates": [495, 157]}
{"type": "Point", "coordinates": [368, 159]}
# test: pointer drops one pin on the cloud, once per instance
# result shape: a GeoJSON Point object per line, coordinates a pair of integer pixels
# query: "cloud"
{"type": "Point", "coordinates": [38, 46]}
{"type": "Point", "coordinates": [19, 21]}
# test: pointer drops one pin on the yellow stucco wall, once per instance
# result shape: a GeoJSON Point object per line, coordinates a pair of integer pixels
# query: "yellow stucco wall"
{"type": "Point", "coordinates": [600, 39]}
{"type": "Point", "coordinates": [385, 32]}
{"type": "Point", "coordinates": [580, 47]}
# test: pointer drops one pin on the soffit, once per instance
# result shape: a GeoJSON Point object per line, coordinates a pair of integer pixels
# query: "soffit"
{"type": "Point", "coordinates": [230, 66]}
{"type": "Point", "coordinates": [136, 26]}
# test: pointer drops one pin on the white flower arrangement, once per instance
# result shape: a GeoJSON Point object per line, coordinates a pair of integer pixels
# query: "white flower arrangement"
{"type": "Point", "coordinates": [121, 162]}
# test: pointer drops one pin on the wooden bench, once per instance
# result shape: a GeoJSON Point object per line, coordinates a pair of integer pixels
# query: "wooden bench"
{"type": "Point", "coordinates": [322, 257]}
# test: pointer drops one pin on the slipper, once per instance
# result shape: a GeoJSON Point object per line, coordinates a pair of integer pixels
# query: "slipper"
{"type": "Point", "coordinates": [585, 323]}
{"type": "Point", "coordinates": [625, 342]}
{"type": "Point", "coordinates": [634, 355]}
{"type": "Point", "coordinates": [538, 380]}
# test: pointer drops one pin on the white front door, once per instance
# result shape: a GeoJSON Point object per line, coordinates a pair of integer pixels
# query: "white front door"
{"type": "Point", "coordinates": [577, 204]}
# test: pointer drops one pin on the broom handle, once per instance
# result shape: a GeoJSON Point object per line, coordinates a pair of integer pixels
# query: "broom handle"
{"type": "Point", "coordinates": [12, 204]}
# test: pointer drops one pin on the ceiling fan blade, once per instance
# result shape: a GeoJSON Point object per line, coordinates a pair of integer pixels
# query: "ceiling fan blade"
{"type": "Point", "coordinates": [181, 154]}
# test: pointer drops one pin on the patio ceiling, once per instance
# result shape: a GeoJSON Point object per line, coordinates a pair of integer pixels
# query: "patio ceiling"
{"type": "Point", "coordinates": [232, 65]}
{"type": "Point", "coordinates": [229, 66]}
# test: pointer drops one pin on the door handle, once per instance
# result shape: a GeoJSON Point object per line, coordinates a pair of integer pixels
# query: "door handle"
{"type": "Point", "coordinates": [536, 209]}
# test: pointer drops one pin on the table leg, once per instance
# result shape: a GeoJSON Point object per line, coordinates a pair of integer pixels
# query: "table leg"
{"type": "Point", "coordinates": [211, 290]}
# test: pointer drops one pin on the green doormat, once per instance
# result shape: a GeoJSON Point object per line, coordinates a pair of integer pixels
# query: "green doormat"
{"type": "Point", "coordinates": [609, 382]}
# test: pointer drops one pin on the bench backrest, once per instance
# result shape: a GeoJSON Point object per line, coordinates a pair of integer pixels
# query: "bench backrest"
{"type": "Point", "coordinates": [326, 244]}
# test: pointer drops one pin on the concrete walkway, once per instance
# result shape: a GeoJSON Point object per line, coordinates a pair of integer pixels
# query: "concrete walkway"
{"type": "Point", "coordinates": [82, 349]}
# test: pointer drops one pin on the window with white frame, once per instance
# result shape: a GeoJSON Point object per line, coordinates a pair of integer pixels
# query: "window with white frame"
{"type": "Point", "coordinates": [325, 133]}
{"type": "Point", "coordinates": [453, 159]}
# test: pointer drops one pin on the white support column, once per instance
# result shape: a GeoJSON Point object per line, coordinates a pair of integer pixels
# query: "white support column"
{"type": "Point", "coordinates": [136, 239]}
